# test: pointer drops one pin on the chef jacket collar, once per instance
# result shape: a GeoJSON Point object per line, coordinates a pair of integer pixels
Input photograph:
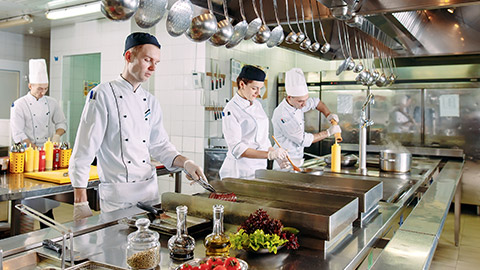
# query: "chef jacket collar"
{"type": "Point", "coordinates": [31, 97]}
{"type": "Point", "coordinates": [289, 107]}
{"type": "Point", "coordinates": [123, 82]}
{"type": "Point", "coordinates": [242, 102]}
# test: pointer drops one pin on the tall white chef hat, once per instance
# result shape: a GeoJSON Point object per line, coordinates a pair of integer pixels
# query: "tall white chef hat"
{"type": "Point", "coordinates": [295, 83]}
{"type": "Point", "coordinates": [37, 69]}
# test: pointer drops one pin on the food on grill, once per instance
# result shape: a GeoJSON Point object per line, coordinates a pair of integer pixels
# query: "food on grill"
{"type": "Point", "coordinates": [229, 197]}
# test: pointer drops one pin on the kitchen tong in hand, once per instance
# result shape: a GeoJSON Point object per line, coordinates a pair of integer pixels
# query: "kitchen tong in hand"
{"type": "Point", "coordinates": [202, 182]}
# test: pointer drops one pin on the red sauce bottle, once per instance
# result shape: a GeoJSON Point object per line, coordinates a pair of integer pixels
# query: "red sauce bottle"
{"type": "Point", "coordinates": [41, 160]}
{"type": "Point", "coordinates": [56, 158]}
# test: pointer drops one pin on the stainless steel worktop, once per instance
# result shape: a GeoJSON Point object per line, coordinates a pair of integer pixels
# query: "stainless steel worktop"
{"type": "Point", "coordinates": [103, 240]}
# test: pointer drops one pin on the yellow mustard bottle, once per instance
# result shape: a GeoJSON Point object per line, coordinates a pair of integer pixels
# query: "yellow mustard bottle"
{"type": "Point", "coordinates": [36, 159]}
{"type": "Point", "coordinates": [48, 155]}
{"type": "Point", "coordinates": [29, 156]}
{"type": "Point", "coordinates": [336, 157]}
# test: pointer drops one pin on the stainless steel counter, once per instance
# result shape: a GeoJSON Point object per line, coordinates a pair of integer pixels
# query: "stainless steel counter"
{"type": "Point", "coordinates": [16, 187]}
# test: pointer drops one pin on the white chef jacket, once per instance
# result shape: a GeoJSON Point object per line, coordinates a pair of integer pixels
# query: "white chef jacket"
{"type": "Point", "coordinates": [244, 126]}
{"type": "Point", "coordinates": [122, 128]}
{"type": "Point", "coordinates": [36, 120]}
{"type": "Point", "coordinates": [289, 127]}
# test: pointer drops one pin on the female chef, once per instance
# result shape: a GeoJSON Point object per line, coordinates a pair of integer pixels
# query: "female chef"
{"type": "Point", "coordinates": [245, 128]}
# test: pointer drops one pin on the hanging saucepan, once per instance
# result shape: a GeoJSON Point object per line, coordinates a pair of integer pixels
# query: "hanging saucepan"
{"type": "Point", "coordinates": [395, 161]}
{"type": "Point", "coordinates": [277, 36]}
{"type": "Point", "coordinates": [239, 30]}
{"type": "Point", "coordinates": [254, 24]}
{"type": "Point", "coordinates": [119, 10]}
{"type": "Point", "coordinates": [150, 12]}
{"type": "Point", "coordinates": [224, 29]}
{"type": "Point", "coordinates": [202, 26]}
{"type": "Point", "coordinates": [264, 33]}
{"type": "Point", "coordinates": [179, 18]}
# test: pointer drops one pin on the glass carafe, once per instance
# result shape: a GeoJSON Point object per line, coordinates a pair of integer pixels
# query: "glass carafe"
{"type": "Point", "coordinates": [181, 245]}
{"type": "Point", "coordinates": [143, 249]}
{"type": "Point", "coordinates": [217, 243]}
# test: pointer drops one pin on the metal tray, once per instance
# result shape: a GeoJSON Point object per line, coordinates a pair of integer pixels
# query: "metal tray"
{"type": "Point", "coordinates": [91, 265]}
{"type": "Point", "coordinates": [169, 225]}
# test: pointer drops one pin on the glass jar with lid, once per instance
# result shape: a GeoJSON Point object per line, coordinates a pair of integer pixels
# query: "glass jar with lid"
{"type": "Point", "coordinates": [143, 249]}
{"type": "Point", "coordinates": [181, 245]}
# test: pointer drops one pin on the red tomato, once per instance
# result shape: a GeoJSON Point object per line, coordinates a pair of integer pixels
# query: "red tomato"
{"type": "Point", "coordinates": [196, 268]}
{"type": "Point", "coordinates": [205, 266]}
{"type": "Point", "coordinates": [187, 267]}
{"type": "Point", "coordinates": [232, 263]}
{"type": "Point", "coordinates": [214, 262]}
{"type": "Point", "coordinates": [220, 267]}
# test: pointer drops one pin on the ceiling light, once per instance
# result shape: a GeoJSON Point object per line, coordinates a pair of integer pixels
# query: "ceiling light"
{"type": "Point", "coordinates": [14, 21]}
{"type": "Point", "coordinates": [73, 11]}
{"type": "Point", "coordinates": [451, 10]}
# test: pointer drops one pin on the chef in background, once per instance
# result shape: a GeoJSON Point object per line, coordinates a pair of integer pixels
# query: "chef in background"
{"type": "Point", "coordinates": [288, 118]}
{"type": "Point", "coordinates": [35, 118]}
{"type": "Point", "coordinates": [245, 128]}
{"type": "Point", "coordinates": [122, 125]}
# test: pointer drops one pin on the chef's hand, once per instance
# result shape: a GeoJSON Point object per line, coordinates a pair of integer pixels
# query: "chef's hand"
{"type": "Point", "coordinates": [283, 163]}
{"type": "Point", "coordinates": [56, 138]}
{"type": "Point", "coordinates": [333, 129]}
{"type": "Point", "coordinates": [194, 171]}
{"type": "Point", "coordinates": [278, 153]}
{"type": "Point", "coordinates": [81, 210]}
{"type": "Point", "coordinates": [332, 116]}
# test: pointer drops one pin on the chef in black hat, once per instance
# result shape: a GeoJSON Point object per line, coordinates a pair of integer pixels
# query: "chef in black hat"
{"type": "Point", "coordinates": [122, 125]}
{"type": "Point", "coordinates": [245, 128]}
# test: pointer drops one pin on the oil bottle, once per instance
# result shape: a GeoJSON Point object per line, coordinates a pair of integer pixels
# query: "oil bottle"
{"type": "Point", "coordinates": [181, 245]}
{"type": "Point", "coordinates": [217, 243]}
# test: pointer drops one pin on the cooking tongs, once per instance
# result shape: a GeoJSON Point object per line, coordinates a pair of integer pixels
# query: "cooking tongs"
{"type": "Point", "coordinates": [202, 182]}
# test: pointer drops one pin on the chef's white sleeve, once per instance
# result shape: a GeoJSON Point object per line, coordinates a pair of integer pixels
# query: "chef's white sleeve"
{"type": "Point", "coordinates": [160, 147]}
{"type": "Point", "coordinates": [90, 133]}
{"type": "Point", "coordinates": [311, 104]}
{"type": "Point", "coordinates": [17, 123]}
{"type": "Point", "coordinates": [293, 131]}
{"type": "Point", "coordinates": [232, 132]}
{"type": "Point", "coordinates": [58, 117]}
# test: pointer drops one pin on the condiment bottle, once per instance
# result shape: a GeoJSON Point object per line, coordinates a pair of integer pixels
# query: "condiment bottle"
{"type": "Point", "coordinates": [336, 157]}
{"type": "Point", "coordinates": [143, 248]}
{"type": "Point", "coordinates": [48, 155]}
{"type": "Point", "coordinates": [181, 245]}
{"type": "Point", "coordinates": [56, 157]}
{"type": "Point", "coordinates": [29, 158]}
{"type": "Point", "coordinates": [217, 243]}
{"type": "Point", "coordinates": [36, 157]}
{"type": "Point", "coordinates": [41, 160]}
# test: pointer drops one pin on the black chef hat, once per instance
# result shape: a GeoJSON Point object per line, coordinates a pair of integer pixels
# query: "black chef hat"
{"type": "Point", "coordinates": [139, 38]}
{"type": "Point", "coordinates": [252, 73]}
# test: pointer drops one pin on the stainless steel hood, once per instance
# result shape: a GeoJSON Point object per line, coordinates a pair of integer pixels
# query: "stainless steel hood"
{"type": "Point", "coordinates": [417, 28]}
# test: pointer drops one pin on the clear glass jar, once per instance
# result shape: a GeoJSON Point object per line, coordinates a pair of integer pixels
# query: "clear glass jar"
{"type": "Point", "coordinates": [181, 245]}
{"type": "Point", "coordinates": [143, 249]}
{"type": "Point", "coordinates": [217, 243]}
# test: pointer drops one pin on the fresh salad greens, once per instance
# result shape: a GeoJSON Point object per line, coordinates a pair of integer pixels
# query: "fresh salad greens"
{"type": "Point", "coordinates": [256, 240]}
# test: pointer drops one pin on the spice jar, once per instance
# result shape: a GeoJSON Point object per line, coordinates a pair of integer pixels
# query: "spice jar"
{"type": "Point", "coordinates": [181, 245]}
{"type": "Point", "coordinates": [143, 249]}
{"type": "Point", "coordinates": [217, 243]}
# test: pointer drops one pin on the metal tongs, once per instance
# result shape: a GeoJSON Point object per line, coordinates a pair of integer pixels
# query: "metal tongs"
{"type": "Point", "coordinates": [202, 182]}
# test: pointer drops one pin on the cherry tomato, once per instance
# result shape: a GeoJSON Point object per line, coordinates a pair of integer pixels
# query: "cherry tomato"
{"type": "Point", "coordinates": [219, 267]}
{"type": "Point", "coordinates": [187, 267]}
{"type": "Point", "coordinates": [232, 263]}
{"type": "Point", "coordinates": [196, 268]}
{"type": "Point", "coordinates": [205, 266]}
{"type": "Point", "coordinates": [214, 262]}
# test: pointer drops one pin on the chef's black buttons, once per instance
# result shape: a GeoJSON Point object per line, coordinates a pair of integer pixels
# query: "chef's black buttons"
{"type": "Point", "coordinates": [121, 96]}
{"type": "Point", "coordinates": [46, 126]}
{"type": "Point", "coordinates": [33, 114]}
{"type": "Point", "coordinates": [35, 126]}
{"type": "Point", "coordinates": [146, 119]}
{"type": "Point", "coordinates": [126, 139]}
{"type": "Point", "coordinates": [30, 103]}
{"type": "Point", "coordinates": [125, 116]}
{"type": "Point", "coordinates": [144, 99]}
{"type": "Point", "coordinates": [129, 162]}
{"type": "Point", "coordinates": [37, 138]}
{"type": "Point", "coordinates": [143, 161]}
{"type": "Point", "coordinates": [144, 141]}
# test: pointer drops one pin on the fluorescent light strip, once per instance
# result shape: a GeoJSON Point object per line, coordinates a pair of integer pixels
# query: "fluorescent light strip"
{"type": "Point", "coordinates": [20, 20]}
{"type": "Point", "coordinates": [73, 11]}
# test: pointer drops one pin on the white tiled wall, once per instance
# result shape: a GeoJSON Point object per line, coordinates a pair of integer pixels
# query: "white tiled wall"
{"type": "Point", "coordinates": [15, 51]}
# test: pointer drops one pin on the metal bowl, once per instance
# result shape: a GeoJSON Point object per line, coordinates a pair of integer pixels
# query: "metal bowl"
{"type": "Point", "coordinates": [347, 160]}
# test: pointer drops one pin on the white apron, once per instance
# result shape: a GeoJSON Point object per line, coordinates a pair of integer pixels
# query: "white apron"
{"type": "Point", "coordinates": [244, 126]}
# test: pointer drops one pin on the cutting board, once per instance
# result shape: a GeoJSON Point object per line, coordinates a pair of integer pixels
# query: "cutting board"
{"type": "Point", "coordinates": [57, 175]}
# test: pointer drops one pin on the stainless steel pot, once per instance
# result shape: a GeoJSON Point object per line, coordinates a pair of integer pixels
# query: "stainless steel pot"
{"type": "Point", "coordinates": [395, 161]}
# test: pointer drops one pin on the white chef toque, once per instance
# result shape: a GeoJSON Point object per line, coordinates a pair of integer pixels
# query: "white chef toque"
{"type": "Point", "coordinates": [295, 83]}
{"type": "Point", "coordinates": [37, 69]}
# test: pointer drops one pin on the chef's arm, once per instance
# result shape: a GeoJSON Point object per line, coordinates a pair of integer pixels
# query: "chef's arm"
{"type": "Point", "coordinates": [60, 131]}
{"type": "Point", "coordinates": [252, 153]}
{"type": "Point", "coordinates": [321, 107]}
{"type": "Point", "coordinates": [319, 136]}
{"type": "Point", "coordinates": [179, 161]}
{"type": "Point", "coordinates": [80, 194]}
{"type": "Point", "coordinates": [29, 143]}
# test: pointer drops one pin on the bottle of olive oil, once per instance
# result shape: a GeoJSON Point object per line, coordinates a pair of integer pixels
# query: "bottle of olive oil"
{"type": "Point", "coordinates": [217, 243]}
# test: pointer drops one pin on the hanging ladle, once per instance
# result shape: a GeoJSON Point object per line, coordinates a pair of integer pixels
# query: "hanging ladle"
{"type": "Point", "coordinates": [358, 67]}
{"type": "Point", "coordinates": [254, 25]}
{"type": "Point", "coordinates": [224, 29]}
{"type": "Point", "coordinates": [277, 36]}
{"type": "Point", "coordinates": [305, 44]}
{"type": "Point", "coordinates": [350, 62]}
{"type": "Point", "coordinates": [345, 63]}
{"type": "Point", "coordinates": [292, 36]}
{"type": "Point", "coordinates": [316, 45]}
{"type": "Point", "coordinates": [326, 46]}
{"type": "Point", "coordinates": [300, 34]}
{"type": "Point", "coordinates": [239, 30]}
{"type": "Point", "coordinates": [264, 33]}
{"type": "Point", "coordinates": [202, 26]}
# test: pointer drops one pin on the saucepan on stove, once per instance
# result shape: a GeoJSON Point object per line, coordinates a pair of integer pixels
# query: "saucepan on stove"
{"type": "Point", "coordinates": [395, 161]}
{"type": "Point", "coordinates": [347, 160]}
